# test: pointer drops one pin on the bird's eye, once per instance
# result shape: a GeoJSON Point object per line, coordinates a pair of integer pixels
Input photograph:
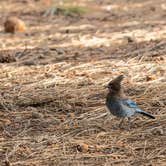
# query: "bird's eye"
{"type": "Point", "coordinates": [110, 85]}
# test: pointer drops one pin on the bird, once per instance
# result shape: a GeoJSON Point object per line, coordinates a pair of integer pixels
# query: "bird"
{"type": "Point", "coordinates": [120, 105]}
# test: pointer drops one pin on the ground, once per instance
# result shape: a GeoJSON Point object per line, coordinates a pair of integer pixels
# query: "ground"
{"type": "Point", "coordinates": [52, 101]}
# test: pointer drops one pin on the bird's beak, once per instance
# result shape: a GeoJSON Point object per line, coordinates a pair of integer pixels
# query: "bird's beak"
{"type": "Point", "coordinates": [105, 86]}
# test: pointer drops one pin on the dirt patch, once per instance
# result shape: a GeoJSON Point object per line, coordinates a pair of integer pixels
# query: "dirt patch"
{"type": "Point", "coordinates": [52, 107]}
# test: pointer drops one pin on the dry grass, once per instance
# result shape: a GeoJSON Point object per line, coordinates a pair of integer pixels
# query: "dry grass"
{"type": "Point", "coordinates": [52, 111]}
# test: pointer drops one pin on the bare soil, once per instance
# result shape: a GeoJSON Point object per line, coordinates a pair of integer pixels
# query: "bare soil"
{"type": "Point", "coordinates": [52, 79]}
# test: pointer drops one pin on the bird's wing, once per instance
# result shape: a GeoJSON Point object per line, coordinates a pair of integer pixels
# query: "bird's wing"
{"type": "Point", "coordinates": [130, 103]}
{"type": "Point", "coordinates": [132, 108]}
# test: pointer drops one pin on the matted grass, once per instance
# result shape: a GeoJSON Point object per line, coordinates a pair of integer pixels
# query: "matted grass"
{"type": "Point", "coordinates": [52, 107]}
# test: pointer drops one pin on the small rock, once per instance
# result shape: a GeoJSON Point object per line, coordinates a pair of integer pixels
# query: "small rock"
{"type": "Point", "coordinates": [13, 24]}
{"type": "Point", "coordinates": [28, 63]}
{"type": "Point", "coordinates": [60, 51]}
{"type": "Point", "coordinates": [36, 115]}
{"type": "Point", "coordinates": [158, 131]}
{"type": "Point", "coordinates": [82, 147]}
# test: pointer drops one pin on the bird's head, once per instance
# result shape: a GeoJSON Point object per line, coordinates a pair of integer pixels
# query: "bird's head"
{"type": "Point", "coordinates": [115, 84]}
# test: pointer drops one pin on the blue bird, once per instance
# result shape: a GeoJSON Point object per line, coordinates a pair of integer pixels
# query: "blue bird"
{"type": "Point", "coordinates": [119, 105]}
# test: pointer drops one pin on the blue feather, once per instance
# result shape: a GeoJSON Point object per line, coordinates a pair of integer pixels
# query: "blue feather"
{"type": "Point", "coordinates": [130, 103]}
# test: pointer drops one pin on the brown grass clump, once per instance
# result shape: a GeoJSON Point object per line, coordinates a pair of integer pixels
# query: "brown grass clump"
{"type": "Point", "coordinates": [7, 56]}
{"type": "Point", "coordinates": [52, 99]}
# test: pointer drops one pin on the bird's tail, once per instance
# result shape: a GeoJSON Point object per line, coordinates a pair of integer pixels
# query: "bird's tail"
{"type": "Point", "coordinates": [145, 113]}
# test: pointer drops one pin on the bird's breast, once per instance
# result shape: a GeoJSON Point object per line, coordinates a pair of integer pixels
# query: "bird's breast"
{"type": "Point", "coordinates": [115, 108]}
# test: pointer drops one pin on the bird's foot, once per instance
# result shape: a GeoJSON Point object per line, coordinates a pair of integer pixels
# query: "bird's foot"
{"type": "Point", "coordinates": [115, 127]}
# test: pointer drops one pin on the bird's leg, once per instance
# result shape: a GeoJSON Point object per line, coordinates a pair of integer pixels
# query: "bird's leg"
{"type": "Point", "coordinates": [129, 123]}
{"type": "Point", "coordinates": [121, 122]}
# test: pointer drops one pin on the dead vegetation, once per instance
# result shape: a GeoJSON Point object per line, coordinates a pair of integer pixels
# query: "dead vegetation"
{"type": "Point", "coordinates": [52, 98]}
